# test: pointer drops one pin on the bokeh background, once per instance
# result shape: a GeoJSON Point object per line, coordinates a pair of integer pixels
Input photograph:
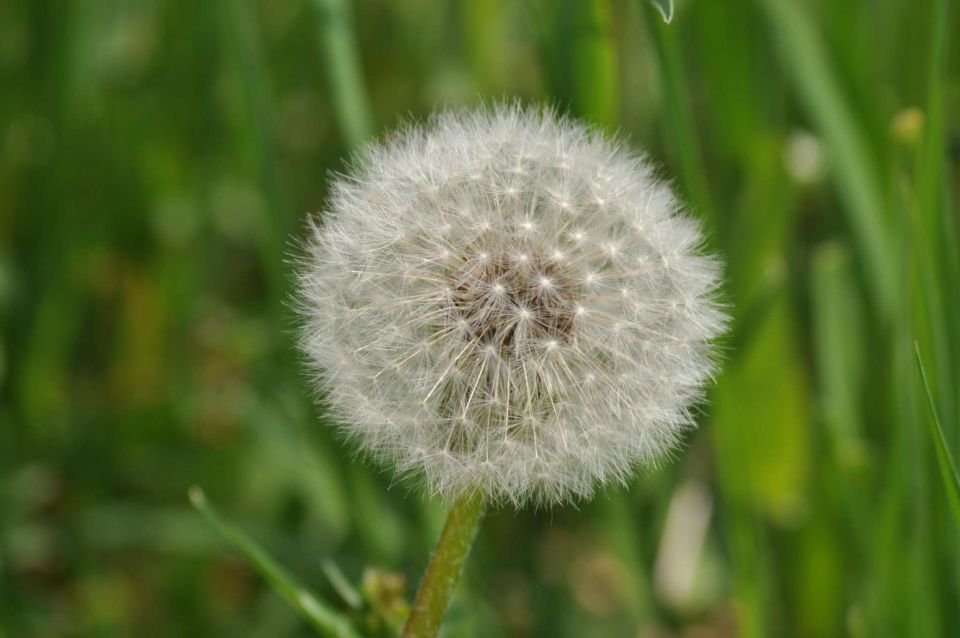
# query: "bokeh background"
{"type": "Point", "coordinates": [158, 159]}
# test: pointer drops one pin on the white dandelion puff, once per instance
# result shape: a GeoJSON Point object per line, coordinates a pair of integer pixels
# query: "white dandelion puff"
{"type": "Point", "coordinates": [504, 301]}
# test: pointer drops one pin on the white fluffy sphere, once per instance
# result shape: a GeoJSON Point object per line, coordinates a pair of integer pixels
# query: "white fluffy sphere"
{"type": "Point", "coordinates": [506, 301]}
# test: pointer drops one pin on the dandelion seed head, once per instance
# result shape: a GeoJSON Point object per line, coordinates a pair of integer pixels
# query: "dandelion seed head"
{"type": "Point", "coordinates": [506, 301]}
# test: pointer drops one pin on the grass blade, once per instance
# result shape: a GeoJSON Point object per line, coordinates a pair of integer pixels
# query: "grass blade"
{"type": "Point", "coordinates": [679, 119]}
{"type": "Point", "coordinates": [579, 56]}
{"type": "Point", "coordinates": [592, 60]}
{"type": "Point", "coordinates": [326, 621]}
{"type": "Point", "coordinates": [665, 7]}
{"type": "Point", "coordinates": [339, 54]}
{"type": "Point", "coordinates": [341, 585]}
{"type": "Point", "coordinates": [858, 182]}
{"type": "Point", "coordinates": [948, 470]}
{"type": "Point", "coordinates": [244, 50]}
{"type": "Point", "coordinates": [839, 350]}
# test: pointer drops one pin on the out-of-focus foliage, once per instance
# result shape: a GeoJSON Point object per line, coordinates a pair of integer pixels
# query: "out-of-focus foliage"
{"type": "Point", "coordinates": [158, 159]}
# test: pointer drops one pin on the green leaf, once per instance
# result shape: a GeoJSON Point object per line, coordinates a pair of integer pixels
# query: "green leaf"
{"type": "Point", "coordinates": [326, 621]}
{"type": "Point", "coordinates": [948, 470]}
{"type": "Point", "coordinates": [665, 7]}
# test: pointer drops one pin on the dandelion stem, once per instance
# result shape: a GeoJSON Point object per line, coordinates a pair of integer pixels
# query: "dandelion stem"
{"type": "Point", "coordinates": [443, 572]}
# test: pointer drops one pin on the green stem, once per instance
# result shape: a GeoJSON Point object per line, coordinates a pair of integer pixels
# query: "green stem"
{"type": "Point", "coordinates": [443, 572]}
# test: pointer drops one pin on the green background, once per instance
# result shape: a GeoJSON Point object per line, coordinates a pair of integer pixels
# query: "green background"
{"type": "Point", "coordinates": [158, 159]}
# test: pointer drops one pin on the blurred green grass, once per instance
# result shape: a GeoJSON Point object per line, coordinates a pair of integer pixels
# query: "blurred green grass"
{"type": "Point", "coordinates": [157, 162]}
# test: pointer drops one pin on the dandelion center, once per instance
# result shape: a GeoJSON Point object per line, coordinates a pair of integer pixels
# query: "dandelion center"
{"type": "Point", "coordinates": [512, 304]}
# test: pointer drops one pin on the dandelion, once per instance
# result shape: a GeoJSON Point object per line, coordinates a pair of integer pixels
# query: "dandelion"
{"type": "Point", "coordinates": [510, 306]}
{"type": "Point", "coordinates": [506, 302]}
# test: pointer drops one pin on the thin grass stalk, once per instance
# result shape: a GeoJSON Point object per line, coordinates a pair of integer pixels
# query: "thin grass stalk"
{"type": "Point", "coordinates": [323, 619]}
{"type": "Point", "coordinates": [948, 469]}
